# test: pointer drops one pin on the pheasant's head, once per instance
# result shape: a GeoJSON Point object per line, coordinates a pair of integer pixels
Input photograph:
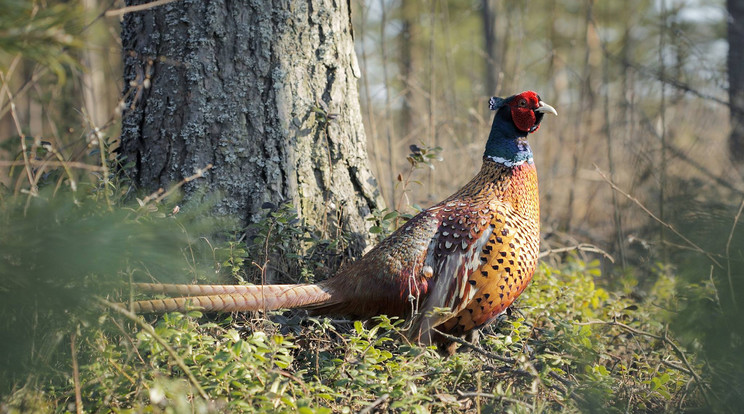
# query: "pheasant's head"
{"type": "Point", "coordinates": [526, 110]}
{"type": "Point", "coordinates": [516, 116]}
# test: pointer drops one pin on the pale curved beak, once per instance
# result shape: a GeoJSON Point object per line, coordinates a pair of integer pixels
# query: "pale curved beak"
{"type": "Point", "coordinates": [545, 108]}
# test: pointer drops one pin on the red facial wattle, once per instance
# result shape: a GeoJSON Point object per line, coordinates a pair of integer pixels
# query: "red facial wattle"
{"type": "Point", "coordinates": [522, 111]}
{"type": "Point", "coordinates": [524, 119]}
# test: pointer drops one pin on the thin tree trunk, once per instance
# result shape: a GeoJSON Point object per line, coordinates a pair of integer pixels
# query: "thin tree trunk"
{"type": "Point", "coordinates": [249, 87]}
{"type": "Point", "coordinates": [492, 62]}
{"type": "Point", "coordinates": [389, 121]}
{"type": "Point", "coordinates": [94, 77]}
{"type": "Point", "coordinates": [408, 40]}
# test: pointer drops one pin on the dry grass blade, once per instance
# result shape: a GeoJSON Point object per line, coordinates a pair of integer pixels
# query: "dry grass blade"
{"type": "Point", "coordinates": [495, 397]}
{"type": "Point", "coordinates": [64, 164]}
{"type": "Point", "coordinates": [728, 253]}
{"type": "Point", "coordinates": [76, 375]}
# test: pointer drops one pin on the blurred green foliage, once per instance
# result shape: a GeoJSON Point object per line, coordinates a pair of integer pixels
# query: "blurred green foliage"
{"type": "Point", "coordinates": [59, 253]}
{"type": "Point", "coordinates": [43, 33]}
{"type": "Point", "coordinates": [706, 314]}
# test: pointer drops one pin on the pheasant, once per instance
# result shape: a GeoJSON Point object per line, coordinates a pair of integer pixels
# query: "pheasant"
{"type": "Point", "coordinates": [452, 268]}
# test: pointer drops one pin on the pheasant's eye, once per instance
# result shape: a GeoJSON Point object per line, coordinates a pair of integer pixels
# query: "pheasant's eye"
{"type": "Point", "coordinates": [522, 103]}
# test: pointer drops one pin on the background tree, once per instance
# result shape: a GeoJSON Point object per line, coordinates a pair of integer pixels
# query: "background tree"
{"type": "Point", "coordinates": [266, 93]}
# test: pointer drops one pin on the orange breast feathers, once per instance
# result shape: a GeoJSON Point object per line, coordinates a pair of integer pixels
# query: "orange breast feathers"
{"type": "Point", "coordinates": [522, 194]}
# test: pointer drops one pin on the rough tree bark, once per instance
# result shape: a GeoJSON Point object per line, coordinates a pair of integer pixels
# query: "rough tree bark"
{"type": "Point", "coordinates": [235, 84]}
{"type": "Point", "coordinates": [735, 63]}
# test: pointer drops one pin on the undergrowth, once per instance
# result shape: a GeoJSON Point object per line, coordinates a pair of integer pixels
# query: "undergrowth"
{"type": "Point", "coordinates": [569, 346]}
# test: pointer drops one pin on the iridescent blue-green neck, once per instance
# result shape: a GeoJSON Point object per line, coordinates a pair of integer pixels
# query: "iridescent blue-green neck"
{"type": "Point", "coordinates": [506, 144]}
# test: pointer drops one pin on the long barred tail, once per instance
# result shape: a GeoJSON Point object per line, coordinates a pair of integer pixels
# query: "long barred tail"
{"type": "Point", "coordinates": [230, 298]}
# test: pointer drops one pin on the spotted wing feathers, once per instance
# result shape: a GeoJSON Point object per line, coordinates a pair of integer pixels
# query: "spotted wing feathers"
{"type": "Point", "coordinates": [453, 256]}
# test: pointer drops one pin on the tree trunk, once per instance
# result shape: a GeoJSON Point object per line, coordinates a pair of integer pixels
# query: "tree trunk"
{"type": "Point", "coordinates": [244, 86]}
{"type": "Point", "coordinates": [735, 64]}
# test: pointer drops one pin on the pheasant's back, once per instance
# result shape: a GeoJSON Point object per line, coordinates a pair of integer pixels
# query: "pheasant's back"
{"type": "Point", "coordinates": [385, 279]}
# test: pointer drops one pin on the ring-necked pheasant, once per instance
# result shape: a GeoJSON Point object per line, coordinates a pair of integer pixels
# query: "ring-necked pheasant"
{"type": "Point", "coordinates": [455, 266]}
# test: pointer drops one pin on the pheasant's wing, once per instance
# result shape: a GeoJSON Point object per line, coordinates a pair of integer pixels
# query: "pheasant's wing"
{"type": "Point", "coordinates": [507, 261]}
{"type": "Point", "coordinates": [483, 256]}
{"type": "Point", "coordinates": [458, 249]}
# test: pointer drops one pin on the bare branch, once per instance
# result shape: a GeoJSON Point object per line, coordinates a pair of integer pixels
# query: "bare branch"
{"type": "Point", "coordinates": [477, 349]}
{"type": "Point", "coordinates": [375, 403]}
{"type": "Point", "coordinates": [140, 7]}
{"type": "Point", "coordinates": [584, 247]}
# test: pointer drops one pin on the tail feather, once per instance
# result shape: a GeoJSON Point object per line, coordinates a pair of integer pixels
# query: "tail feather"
{"type": "Point", "coordinates": [217, 298]}
{"type": "Point", "coordinates": [196, 290]}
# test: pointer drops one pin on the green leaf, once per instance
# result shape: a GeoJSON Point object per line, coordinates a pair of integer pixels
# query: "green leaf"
{"type": "Point", "coordinates": [391, 215]}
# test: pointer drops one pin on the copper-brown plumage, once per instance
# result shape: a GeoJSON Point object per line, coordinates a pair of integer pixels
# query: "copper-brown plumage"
{"type": "Point", "coordinates": [455, 266]}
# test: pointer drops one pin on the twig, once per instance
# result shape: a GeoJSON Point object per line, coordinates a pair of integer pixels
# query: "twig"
{"type": "Point", "coordinates": [565, 381]}
{"type": "Point", "coordinates": [677, 367]}
{"type": "Point", "coordinates": [368, 409]}
{"type": "Point", "coordinates": [494, 397]}
{"type": "Point", "coordinates": [682, 156]}
{"type": "Point", "coordinates": [475, 348]}
{"type": "Point", "coordinates": [654, 74]}
{"type": "Point", "coordinates": [160, 194]}
{"type": "Point", "coordinates": [584, 247]}
{"type": "Point", "coordinates": [293, 378]}
{"type": "Point", "coordinates": [140, 7]}
{"type": "Point", "coordinates": [22, 90]}
{"type": "Point", "coordinates": [69, 164]}
{"type": "Point", "coordinates": [672, 82]}
{"type": "Point", "coordinates": [265, 264]}
{"type": "Point", "coordinates": [150, 330]}
{"type": "Point", "coordinates": [76, 375]}
{"type": "Point", "coordinates": [653, 216]}
{"type": "Point", "coordinates": [198, 174]}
